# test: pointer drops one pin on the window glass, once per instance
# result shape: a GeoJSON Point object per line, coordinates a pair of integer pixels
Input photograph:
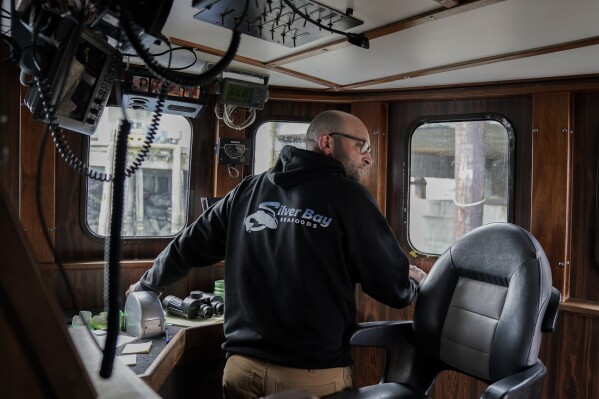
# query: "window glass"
{"type": "Point", "coordinates": [271, 137]}
{"type": "Point", "coordinates": [156, 195]}
{"type": "Point", "coordinates": [460, 179]}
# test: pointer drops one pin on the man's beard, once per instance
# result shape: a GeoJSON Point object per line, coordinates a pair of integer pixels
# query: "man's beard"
{"type": "Point", "coordinates": [351, 170]}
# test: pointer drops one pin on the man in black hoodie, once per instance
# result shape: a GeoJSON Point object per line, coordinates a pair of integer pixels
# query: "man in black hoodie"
{"type": "Point", "coordinates": [296, 240]}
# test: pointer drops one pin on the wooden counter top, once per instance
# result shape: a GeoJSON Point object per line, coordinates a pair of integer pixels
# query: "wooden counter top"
{"type": "Point", "coordinates": [123, 383]}
{"type": "Point", "coordinates": [189, 345]}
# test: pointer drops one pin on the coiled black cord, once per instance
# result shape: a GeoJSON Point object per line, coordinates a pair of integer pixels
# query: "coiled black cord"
{"type": "Point", "coordinates": [112, 250]}
{"type": "Point", "coordinates": [64, 150]}
{"type": "Point", "coordinates": [14, 51]}
{"type": "Point", "coordinates": [60, 141]}
{"type": "Point", "coordinates": [131, 31]}
{"type": "Point", "coordinates": [151, 134]}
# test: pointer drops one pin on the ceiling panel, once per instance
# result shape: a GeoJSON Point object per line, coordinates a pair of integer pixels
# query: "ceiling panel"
{"type": "Point", "coordinates": [500, 28]}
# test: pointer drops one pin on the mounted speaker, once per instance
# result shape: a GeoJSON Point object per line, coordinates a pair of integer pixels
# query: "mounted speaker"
{"type": "Point", "coordinates": [141, 93]}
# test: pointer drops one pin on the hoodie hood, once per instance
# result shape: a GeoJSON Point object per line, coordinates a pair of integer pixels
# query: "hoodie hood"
{"type": "Point", "coordinates": [295, 166]}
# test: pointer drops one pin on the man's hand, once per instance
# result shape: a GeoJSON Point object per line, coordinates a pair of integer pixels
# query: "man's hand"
{"type": "Point", "coordinates": [417, 274]}
{"type": "Point", "coordinates": [132, 288]}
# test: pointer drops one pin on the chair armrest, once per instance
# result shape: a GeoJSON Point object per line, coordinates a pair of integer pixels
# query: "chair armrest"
{"type": "Point", "coordinates": [525, 384]}
{"type": "Point", "coordinates": [379, 333]}
{"type": "Point", "coordinates": [550, 318]}
{"type": "Point", "coordinates": [403, 363]}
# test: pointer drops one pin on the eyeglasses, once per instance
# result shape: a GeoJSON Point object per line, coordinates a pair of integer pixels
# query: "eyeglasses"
{"type": "Point", "coordinates": [364, 149]}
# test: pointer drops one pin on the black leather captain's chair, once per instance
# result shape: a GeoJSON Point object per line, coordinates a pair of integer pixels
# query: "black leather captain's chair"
{"type": "Point", "coordinates": [480, 311]}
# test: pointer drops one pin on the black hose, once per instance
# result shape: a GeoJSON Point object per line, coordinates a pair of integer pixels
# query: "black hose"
{"type": "Point", "coordinates": [131, 31]}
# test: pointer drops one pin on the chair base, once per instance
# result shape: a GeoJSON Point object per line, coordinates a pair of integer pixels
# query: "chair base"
{"type": "Point", "coordinates": [389, 390]}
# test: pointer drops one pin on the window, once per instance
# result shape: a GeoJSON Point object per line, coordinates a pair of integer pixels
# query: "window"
{"type": "Point", "coordinates": [156, 195]}
{"type": "Point", "coordinates": [271, 137]}
{"type": "Point", "coordinates": [460, 179]}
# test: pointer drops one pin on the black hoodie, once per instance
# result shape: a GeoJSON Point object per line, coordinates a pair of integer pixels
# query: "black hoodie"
{"type": "Point", "coordinates": [296, 240]}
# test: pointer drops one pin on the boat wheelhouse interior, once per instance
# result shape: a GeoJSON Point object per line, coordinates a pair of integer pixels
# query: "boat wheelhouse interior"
{"type": "Point", "coordinates": [479, 112]}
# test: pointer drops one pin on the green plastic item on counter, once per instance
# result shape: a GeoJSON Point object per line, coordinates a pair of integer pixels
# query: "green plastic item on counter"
{"type": "Point", "coordinates": [100, 322]}
{"type": "Point", "coordinates": [123, 320]}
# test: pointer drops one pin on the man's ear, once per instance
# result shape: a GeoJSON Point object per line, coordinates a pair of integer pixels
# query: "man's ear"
{"type": "Point", "coordinates": [324, 143]}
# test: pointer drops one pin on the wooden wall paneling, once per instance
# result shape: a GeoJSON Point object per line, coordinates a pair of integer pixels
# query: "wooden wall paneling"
{"type": "Point", "coordinates": [75, 245]}
{"type": "Point", "coordinates": [294, 110]}
{"type": "Point", "coordinates": [551, 157]}
{"type": "Point", "coordinates": [375, 116]}
{"type": "Point", "coordinates": [16, 356]}
{"type": "Point", "coordinates": [202, 166]}
{"type": "Point", "coordinates": [451, 384]}
{"type": "Point", "coordinates": [224, 180]}
{"type": "Point", "coordinates": [87, 281]}
{"type": "Point", "coordinates": [72, 243]}
{"type": "Point", "coordinates": [401, 117]}
{"type": "Point", "coordinates": [78, 249]}
{"type": "Point", "coordinates": [369, 362]}
{"type": "Point", "coordinates": [584, 268]}
{"type": "Point", "coordinates": [571, 357]}
{"type": "Point", "coordinates": [203, 278]}
{"type": "Point", "coordinates": [34, 316]}
{"type": "Point", "coordinates": [9, 133]}
{"type": "Point", "coordinates": [273, 111]}
{"type": "Point", "coordinates": [31, 135]}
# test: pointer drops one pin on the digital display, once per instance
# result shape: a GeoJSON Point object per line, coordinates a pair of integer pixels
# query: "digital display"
{"type": "Point", "coordinates": [242, 94]}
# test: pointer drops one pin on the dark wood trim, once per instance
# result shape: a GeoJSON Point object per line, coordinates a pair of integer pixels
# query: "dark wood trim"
{"type": "Point", "coordinates": [253, 62]}
{"type": "Point", "coordinates": [31, 136]}
{"type": "Point", "coordinates": [375, 116]}
{"type": "Point", "coordinates": [125, 264]}
{"type": "Point", "coordinates": [463, 92]}
{"type": "Point", "coordinates": [275, 65]}
{"type": "Point", "coordinates": [551, 168]}
{"type": "Point", "coordinates": [224, 181]}
{"type": "Point", "coordinates": [190, 345]}
{"type": "Point", "coordinates": [584, 266]}
{"type": "Point", "coordinates": [123, 382]}
{"type": "Point", "coordinates": [161, 368]}
{"type": "Point", "coordinates": [9, 138]}
{"type": "Point", "coordinates": [385, 30]}
{"type": "Point", "coordinates": [581, 307]}
{"type": "Point", "coordinates": [554, 48]}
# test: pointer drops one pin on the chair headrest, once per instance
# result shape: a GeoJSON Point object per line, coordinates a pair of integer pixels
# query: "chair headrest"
{"type": "Point", "coordinates": [480, 310]}
{"type": "Point", "coordinates": [493, 252]}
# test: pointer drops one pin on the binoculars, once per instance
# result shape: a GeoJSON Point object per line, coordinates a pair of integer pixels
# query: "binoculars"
{"type": "Point", "coordinates": [197, 304]}
{"type": "Point", "coordinates": [217, 302]}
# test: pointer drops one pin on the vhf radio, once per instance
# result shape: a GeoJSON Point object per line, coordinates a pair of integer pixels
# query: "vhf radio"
{"type": "Point", "coordinates": [88, 66]}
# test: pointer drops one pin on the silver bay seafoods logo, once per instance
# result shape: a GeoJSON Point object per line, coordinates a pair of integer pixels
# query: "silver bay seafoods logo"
{"type": "Point", "coordinates": [270, 214]}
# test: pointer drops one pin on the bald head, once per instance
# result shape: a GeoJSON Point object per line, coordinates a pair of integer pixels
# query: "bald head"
{"type": "Point", "coordinates": [325, 123]}
{"type": "Point", "coordinates": [343, 137]}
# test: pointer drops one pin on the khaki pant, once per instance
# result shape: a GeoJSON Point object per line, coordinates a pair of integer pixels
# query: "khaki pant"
{"type": "Point", "coordinates": [249, 378]}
